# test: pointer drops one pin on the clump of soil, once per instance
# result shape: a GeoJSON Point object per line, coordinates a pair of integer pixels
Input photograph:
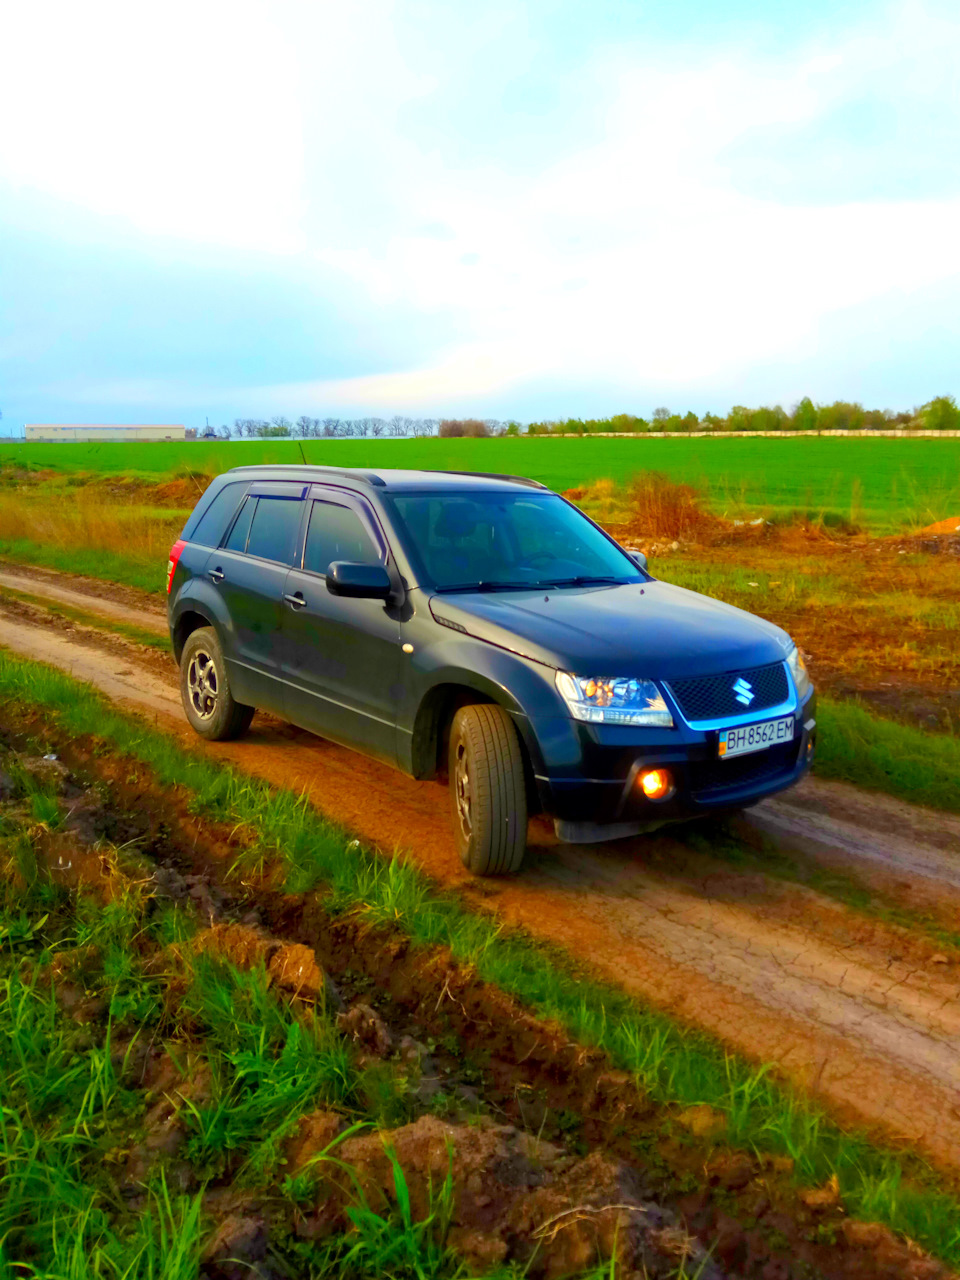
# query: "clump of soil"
{"type": "Point", "coordinates": [517, 1199]}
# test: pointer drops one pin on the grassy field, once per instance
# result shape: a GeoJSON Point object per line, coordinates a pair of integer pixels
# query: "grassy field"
{"type": "Point", "coordinates": [884, 483]}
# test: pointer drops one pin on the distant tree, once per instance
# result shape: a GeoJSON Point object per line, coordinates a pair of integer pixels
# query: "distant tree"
{"type": "Point", "coordinates": [223, 433]}
{"type": "Point", "coordinates": [940, 414]}
{"type": "Point", "coordinates": [451, 428]}
{"type": "Point", "coordinates": [804, 416]}
{"type": "Point", "coordinates": [331, 427]}
{"type": "Point", "coordinates": [876, 419]}
{"type": "Point", "coordinates": [377, 427]}
{"type": "Point", "coordinates": [738, 419]}
{"type": "Point", "coordinates": [348, 428]}
{"type": "Point", "coordinates": [303, 426]}
{"type": "Point", "coordinates": [623, 422]}
{"type": "Point", "coordinates": [690, 421]}
{"type": "Point", "coordinates": [712, 422]}
{"type": "Point", "coordinates": [842, 415]}
{"type": "Point", "coordinates": [661, 415]}
{"type": "Point", "coordinates": [767, 419]}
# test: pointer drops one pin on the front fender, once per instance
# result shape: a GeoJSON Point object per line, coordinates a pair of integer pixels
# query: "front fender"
{"type": "Point", "coordinates": [521, 686]}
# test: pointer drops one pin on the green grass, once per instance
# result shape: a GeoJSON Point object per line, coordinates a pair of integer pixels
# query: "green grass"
{"type": "Point", "coordinates": [853, 745]}
{"type": "Point", "coordinates": [887, 481]}
{"type": "Point", "coordinates": [111, 566]}
{"type": "Point", "coordinates": [673, 1064]}
{"type": "Point", "coordinates": [64, 1105]}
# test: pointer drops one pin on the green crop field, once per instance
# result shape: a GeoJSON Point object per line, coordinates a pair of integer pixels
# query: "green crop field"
{"type": "Point", "coordinates": [883, 482]}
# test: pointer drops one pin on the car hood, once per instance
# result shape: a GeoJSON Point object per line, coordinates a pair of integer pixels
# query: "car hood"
{"type": "Point", "coordinates": [650, 629]}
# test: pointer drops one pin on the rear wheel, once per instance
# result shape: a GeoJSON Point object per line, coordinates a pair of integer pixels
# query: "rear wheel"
{"type": "Point", "coordinates": [205, 689]}
{"type": "Point", "coordinates": [487, 790]}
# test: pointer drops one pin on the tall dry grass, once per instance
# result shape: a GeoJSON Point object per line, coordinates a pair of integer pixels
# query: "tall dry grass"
{"type": "Point", "coordinates": [661, 508]}
{"type": "Point", "coordinates": [651, 504]}
{"type": "Point", "coordinates": [85, 520]}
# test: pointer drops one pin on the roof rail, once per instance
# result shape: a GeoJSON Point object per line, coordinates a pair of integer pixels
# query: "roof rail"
{"type": "Point", "coordinates": [495, 475]}
{"type": "Point", "coordinates": [369, 477]}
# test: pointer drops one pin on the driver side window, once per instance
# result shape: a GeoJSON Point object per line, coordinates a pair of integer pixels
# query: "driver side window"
{"type": "Point", "coordinates": [336, 533]}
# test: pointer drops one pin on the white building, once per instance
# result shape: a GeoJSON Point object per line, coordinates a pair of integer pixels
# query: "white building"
{"type": "Point", "coordinates": [51, 432]}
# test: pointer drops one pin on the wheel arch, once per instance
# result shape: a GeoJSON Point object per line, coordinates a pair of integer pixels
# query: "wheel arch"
{"type": "Point", "coordinates": [431, 729]}
{"type": "Point", "coordinates": [190, 620]}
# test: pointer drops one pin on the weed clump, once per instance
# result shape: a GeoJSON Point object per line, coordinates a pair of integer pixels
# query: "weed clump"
{"type": "Point", "coordinates": [662, 508]}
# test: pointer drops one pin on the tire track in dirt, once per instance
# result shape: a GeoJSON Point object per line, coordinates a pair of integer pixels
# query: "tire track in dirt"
{"type": "Point", "coordinates": [764, 965]}
{"type": "Point", "coordinates": [61, 589]}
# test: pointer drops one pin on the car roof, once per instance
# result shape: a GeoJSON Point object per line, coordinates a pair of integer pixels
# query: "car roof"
{"type": "Point", "coordinates": [389, 479]}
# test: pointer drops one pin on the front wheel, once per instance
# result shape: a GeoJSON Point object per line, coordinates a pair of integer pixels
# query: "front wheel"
{"type": "Point", "coordinates": [205, 689]}
{"type": "Point", "coordinates": [487, 790]}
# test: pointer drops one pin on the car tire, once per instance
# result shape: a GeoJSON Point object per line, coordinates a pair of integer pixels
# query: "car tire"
{"type": "Point", "coordinates": [205, 689]}
{"type": "Point", "coordinates": [488, 793]}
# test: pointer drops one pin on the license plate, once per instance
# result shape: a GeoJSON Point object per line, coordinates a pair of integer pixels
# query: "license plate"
{"type": "Point", "coordinates": [755, 737]}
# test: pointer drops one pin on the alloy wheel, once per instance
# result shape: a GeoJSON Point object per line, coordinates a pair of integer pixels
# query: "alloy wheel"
{"type": "Point", "coordinates": [203, 684]}
{"type": "Point", "coordinates": [461, 783]}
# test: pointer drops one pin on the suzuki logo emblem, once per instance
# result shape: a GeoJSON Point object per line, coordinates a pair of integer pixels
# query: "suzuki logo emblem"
{"type": "Point", "coordinates": [744, 691]}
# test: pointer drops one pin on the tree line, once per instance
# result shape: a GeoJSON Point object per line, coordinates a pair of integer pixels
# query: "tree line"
{"type": "Point", "coordinates": [397, 427]}
{"type": "Point", "coordinates": [939, 414]}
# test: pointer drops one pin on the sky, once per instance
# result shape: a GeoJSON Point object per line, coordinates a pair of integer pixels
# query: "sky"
{"type": "Point", "coordinates": [533, 209]}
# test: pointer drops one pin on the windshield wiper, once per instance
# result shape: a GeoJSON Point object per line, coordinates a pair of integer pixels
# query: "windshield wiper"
{"type": "Point", "coordinates": [589, 580]}
{"type": "Point", "coordinates": [491, 586]}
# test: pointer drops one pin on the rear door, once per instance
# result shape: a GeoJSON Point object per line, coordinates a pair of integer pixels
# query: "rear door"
{"type": "Point", "coordinates": [249, 571]}
{"type": "Point", "coordinates": [341, 656]}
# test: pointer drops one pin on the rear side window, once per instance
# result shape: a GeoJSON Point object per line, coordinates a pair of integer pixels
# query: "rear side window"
{"type": "Point", "coordinates": [217, 516]}
{"type": "Point", "coordinates": [336, 533]}
{"type": "Point", "coordinates": [273, 532]}
{"type": "Point", "coordinates": [238, 534]}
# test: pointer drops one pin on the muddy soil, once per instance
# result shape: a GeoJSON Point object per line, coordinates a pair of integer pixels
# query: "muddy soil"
{"type": "Point", "coordinates": [625, 1185]}
{"type": "Point", "coordinates": [863, 1015]}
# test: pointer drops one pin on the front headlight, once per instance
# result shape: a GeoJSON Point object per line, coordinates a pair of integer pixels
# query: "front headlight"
{"type": "Point", "coordinates": [798, 669]}
{"type": "Point", "coordinates": [608, 700]}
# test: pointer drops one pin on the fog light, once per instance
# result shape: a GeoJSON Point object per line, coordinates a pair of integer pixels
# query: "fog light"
{"type": "Point", "coordinates": [656, 784]}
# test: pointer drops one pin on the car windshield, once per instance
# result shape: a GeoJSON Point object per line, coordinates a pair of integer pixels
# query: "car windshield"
{"type": "Point", "coordinates": [508, 541]}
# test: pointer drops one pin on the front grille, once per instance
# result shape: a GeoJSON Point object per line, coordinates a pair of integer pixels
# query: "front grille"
{"type": "Point", "coordinates": [714, 697]}
{"type": "Point", "coordinates": [709, 778]}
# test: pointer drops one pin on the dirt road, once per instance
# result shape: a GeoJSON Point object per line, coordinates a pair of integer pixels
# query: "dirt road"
{"type": "Point", "coordinates": [864, 1014]}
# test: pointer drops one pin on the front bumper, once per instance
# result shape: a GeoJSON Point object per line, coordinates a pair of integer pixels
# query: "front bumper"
{"type": "Point", "coordinates": [604, 792]}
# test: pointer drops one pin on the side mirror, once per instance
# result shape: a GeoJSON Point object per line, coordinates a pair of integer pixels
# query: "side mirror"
{"type": "Point", "coordinates": [358, 581]}
{"type": "Point", "coordinates": [638, 558]}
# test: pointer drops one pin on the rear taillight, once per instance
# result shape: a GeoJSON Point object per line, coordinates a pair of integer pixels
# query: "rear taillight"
{"type": "Point", "coordinates": [175, 552]}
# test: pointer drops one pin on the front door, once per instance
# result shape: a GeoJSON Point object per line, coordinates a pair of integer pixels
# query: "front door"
{"type": "Point", "coordinates": [341, 656]}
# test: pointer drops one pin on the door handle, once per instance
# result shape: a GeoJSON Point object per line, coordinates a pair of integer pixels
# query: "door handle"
{"type": "Point", "coordinates": [216, 574]}
{"type": "Point", "coordinates": [297, 601]}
